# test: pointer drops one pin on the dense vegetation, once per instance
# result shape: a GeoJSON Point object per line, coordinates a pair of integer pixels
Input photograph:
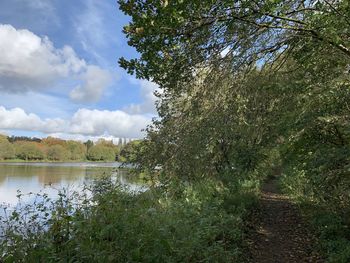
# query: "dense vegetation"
{"type": "Point", "coordinates": [54, 149]}
{"type": "Point", "coordinates": [249, 90]}
{"type": "Point", "coordinates": [252, 88]}
{"type": "Point", "coordinates": [201, 222]}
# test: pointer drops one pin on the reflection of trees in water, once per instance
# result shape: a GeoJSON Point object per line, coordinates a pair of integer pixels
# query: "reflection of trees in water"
{"type": "Point", "coordinates": [51, 174]}
{"type": "Point", "coordinates": [34, 179]}
{"type": "Point", "coordinates": [58, 175]}
{"type": "Point", "coordinates": [2, 179]}
{"type": "Point", "coordinates": [126, 176]}
{"type": "Point", "coordinates": [130, 181]}
{"type": "Point", "coordinates": [55, 175]}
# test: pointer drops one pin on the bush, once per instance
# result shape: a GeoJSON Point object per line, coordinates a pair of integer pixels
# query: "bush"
{"type": "Point", "coordinates": [330, 225]}
{"type": "Point", "coordinates": [199, 222]}
{"type": "Point", "coordinates": [333, 236]}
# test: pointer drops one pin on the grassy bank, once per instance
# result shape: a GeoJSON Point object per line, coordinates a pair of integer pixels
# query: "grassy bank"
{"type": "Point", "coordinates": [197, 222]}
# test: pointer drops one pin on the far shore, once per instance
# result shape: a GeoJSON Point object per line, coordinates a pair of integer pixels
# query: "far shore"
{"type": "Point", "coordinates": [50, 161]}
{"type": "Point", "coordinates": [114, 164]}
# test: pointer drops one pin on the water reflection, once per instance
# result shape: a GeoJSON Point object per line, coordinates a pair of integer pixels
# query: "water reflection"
{"type": "Point", "coordinates": [50, 178]}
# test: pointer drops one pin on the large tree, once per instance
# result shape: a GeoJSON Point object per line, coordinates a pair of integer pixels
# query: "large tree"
{"type": "Point", "coordinates": [242, 78]}
{"type": "Point", "coordinates": [178, 38]}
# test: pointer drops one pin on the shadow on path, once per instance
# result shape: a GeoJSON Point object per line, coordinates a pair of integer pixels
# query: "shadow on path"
{"type": "Point", "coordinates": [278, 234]}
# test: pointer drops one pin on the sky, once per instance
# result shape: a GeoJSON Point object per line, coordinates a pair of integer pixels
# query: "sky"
{"type": "Point", "coordinates": [59, 72]}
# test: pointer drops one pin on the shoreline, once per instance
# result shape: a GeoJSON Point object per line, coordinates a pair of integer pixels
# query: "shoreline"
{"type": "Point", "coordinates": [50, 161]}
{"type": "Point", "coordinates": [102, 164]}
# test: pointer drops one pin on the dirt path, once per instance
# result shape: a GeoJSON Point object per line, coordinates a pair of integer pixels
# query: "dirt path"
{"type": "Point", "coordinates": [278, 234]}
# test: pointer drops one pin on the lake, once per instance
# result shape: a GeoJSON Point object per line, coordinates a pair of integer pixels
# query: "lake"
{"type": "Point", "coordinates": [51, 177]}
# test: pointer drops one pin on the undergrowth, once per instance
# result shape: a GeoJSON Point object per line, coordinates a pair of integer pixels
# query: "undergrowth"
{"type": "Point", "coordinates": [330, 225]}
{"type": "Point", "coordinates": [197, 222]}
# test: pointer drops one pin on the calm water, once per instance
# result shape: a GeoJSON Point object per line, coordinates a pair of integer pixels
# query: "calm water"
{"type": "Point", "coordinates": [52, 177]}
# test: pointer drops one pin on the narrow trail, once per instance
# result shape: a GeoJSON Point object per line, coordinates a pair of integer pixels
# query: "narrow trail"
{"type": "Point", "coordinates": [278, 234]}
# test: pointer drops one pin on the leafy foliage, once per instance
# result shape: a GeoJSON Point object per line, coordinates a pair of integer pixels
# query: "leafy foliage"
{"type": "Point", "coordinates": [57, 153]}
{"type": "Point", "coordinates": [7, 150]}
{"type": "Point", "coordinates": [55, 149]}
{"type": "Point", "coordinates": [249, 88]}
{"type": "Point", "coordinates": [153, 226]}
{"type": "Point", "coordinates": [29, 151]}
{"type": "Point", "coordinates": [101, 153]}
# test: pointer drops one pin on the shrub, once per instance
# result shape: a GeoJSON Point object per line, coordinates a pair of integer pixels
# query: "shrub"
{"type": "Point", "coordinates": [199, 222]}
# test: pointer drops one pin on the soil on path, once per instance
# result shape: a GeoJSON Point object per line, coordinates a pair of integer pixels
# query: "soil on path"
{"type": "Point", "coordinates": [277, 233]}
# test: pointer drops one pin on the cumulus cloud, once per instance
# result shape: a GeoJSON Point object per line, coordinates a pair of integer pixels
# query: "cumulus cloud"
{"type": "Point", "coordinates": [94, 81]}
{"type": "Point", "coordinates": [117, 123]}
{"type": "Point", "coordinates": [29, 62]}
{"type": "Point", "coordinates": [84, 122]}
{"type": "Point", "coordinates": [17, 118]}
{"type": "Point", "coordinates": [148, 105]}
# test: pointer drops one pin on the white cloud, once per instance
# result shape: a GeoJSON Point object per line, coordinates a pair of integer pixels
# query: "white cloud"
{"type": "Point", "coordinates": [147, 90]}
{"type": "Point", "coordinates": [17, 118]}
{"type": "Point", "coordinates": [29, 62]}
{"type": "Point", "coordinates": [95, 80]}
{"type": "Point", "coordinates": [84, 122]}
{"type": "Point", "coordinates": [117, 123]}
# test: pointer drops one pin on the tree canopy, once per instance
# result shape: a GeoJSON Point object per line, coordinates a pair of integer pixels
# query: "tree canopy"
{"type": "Point", "coordinates": [178, 38]}
{"type": "Point", "coordinates": [248, 86]}
{"type": "Point", "coordinates": [55, 149]}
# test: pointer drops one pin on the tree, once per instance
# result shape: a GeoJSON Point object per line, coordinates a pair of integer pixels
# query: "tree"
{"type": "Point", "coordinates": [129, 151]}
{"type": "Point", "coordinates": [88, 144]}
{"type": "Point", "coordinates": [101, 153]}
{"type": "Point", "coordinates": [7, 151]}
{"type": "Point", "coordinates": [243, 79]}
{"type": "Point", "coordinates": [29, 150]}
{"type": "Point", "coordinates": [3, 138]}
{"type": "Point", "coordinates": [178, 39]}
{"type": "Point", "coordinates": [13, 139]}
{"type": "Point", "coordinates": [53, 141]}
{"type": "Point", "coordinates": [76, 149]}
{"type": "Point", "coordinates": [57, 152]}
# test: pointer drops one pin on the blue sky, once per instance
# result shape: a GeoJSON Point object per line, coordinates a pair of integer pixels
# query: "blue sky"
{"type": "Point", "coordinates": [59, 74]}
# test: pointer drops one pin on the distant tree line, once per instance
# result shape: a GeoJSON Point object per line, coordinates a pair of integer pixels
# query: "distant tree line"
{"type": "Point", "coordinates": [54, 149]}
